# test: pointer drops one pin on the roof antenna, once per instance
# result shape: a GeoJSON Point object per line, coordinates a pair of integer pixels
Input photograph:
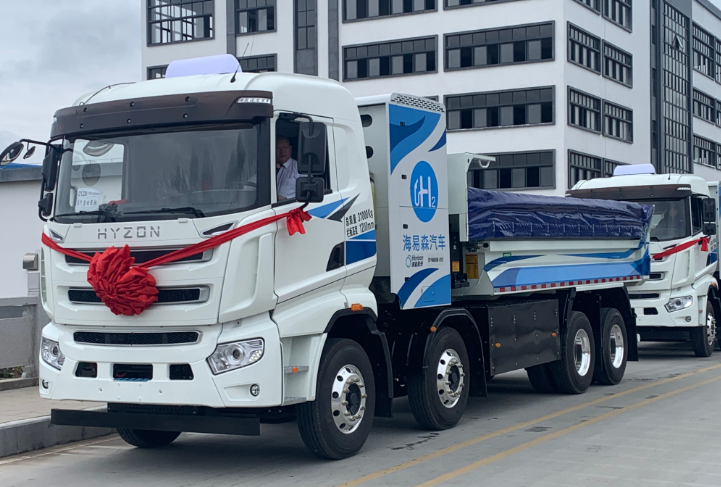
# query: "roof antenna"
{"type": "Point", "coordinates": [232, 80]}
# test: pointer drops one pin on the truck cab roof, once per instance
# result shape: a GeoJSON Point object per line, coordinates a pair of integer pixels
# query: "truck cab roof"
{"type": "Point", "coordinates": [641, 186]}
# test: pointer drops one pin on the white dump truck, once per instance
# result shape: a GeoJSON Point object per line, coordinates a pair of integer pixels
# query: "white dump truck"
{"type": "Point", "coordinates": [680, 300]}
{"type": "Point", "coordinates": [398, 278]}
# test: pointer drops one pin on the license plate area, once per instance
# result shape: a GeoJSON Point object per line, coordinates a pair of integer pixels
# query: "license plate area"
{"type": "Point", "coordinates": [133, 372]}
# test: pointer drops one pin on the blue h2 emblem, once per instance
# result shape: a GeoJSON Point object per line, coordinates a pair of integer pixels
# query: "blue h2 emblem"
{"type": "Point", "coordinates": [424, 191]}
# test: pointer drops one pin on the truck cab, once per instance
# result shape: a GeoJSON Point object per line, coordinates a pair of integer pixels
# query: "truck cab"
{"type": "Point", "coordinates": [680, 300]}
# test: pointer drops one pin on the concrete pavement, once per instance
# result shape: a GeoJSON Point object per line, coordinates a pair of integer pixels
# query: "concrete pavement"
{"type": "Point", "coordinates": [660, 426]}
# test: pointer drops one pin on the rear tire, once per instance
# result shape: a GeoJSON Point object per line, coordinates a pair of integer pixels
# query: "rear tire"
{"type": "Point", "coordinates": [541, 378]}
{"type": "Point", "coordinates": [574, 372]}
{"type": "Point", "coordinates": [612, 355]}
{"type": "Point", "coordinates": [704, 337]}
{"type": "Point", "coordinates": [148, 438]}
{"type": "Point", "coordinates": [337, 423]}
{"type": "Point", "coordinates": [438, 397]}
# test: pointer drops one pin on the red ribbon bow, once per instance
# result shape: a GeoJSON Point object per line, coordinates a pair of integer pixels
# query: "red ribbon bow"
{"type": "Point", "coordinates": [128, 289]}
{"type": "Point", "coordinates": [678, 248]}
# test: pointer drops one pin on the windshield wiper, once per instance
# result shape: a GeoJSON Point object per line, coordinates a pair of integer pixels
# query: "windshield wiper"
{"type": "Point", "coordinates": [187, 210]}
{"type": "Point", "coordinates": [107, 213]}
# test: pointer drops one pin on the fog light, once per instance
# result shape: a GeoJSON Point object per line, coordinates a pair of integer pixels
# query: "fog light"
{"type": "Point", "coordinates": [688, 319]}
{"type": "Point", "coordinates": [45, 384]}
{"type": "Point", "coordinates": [254, 390]}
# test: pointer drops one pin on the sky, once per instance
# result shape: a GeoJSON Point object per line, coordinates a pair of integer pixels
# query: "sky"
{"type": "Point", "coordinates": [54, 51]}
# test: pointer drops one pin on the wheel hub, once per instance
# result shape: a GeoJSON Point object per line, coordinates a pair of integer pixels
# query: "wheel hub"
{"type": "Point", "coordinates": [450, 378]}
{"type": "Point", "coordinates": [582, 352]}
{"type": "Point", "coordinates": [348, 399]}
{"type": "Point", "coordinates": [711, 325]}
{"type": "Point", "coordinates": [616, 346]}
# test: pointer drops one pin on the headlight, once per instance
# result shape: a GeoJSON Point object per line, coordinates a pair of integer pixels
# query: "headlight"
{"type": "Point", "coordinates": [234, 355]}
{"type": "Point", "coordinates": [679, 303]}
{"type": "Point", "coordinates": [50, 351]}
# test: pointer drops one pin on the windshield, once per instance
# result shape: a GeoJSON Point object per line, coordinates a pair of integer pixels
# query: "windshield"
{"type": "Point", "coordinates": [671, 219]}
{"type": "Point", "coordinates": [164, 175]}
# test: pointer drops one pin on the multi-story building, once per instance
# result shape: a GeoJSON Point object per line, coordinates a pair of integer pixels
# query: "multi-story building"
{"type": "Point", "coordinates": [557, 90]}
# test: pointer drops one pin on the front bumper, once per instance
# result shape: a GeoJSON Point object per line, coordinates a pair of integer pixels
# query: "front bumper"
{"type": "Point", "coordinates": [650, 311]}
{"type": "Point", "coordinates": [230, 389]}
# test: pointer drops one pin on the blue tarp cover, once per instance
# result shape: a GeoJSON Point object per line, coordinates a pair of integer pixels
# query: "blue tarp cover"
{"type": "Point", "coordinates": [499, 214]}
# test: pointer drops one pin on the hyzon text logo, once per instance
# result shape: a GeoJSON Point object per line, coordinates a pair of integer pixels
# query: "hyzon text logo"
{"type": "Point", "coordinates": [424, 191]}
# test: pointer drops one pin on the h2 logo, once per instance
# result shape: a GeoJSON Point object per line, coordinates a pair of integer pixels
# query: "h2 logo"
{"type": "Point", "coordinates": [424, 191]}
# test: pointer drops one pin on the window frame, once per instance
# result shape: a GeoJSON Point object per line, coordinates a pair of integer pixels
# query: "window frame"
{"type": "Point", "coordinates": [694, 51]}
{"type": "Point", "coordinates": [604, 166]}
{"type": "Point", "coordinates": [499, 29]}
{"type": "Point", "coordinates": [569, 40]}
{"type": "Point", "coordinates": [600, 111]}
{"type": "Point", "coordinates": [598, 2]}
{"type": "Point", "coordinates": [274, 57]}
{"type": "Point", "coordinates": [499, 92]}
{"type": "Point", "coordinates": [237, 9]}
{"type": "Point", "coordinates": [163, 67]}
{"type": "Point", "coordinates": [623, 52]}
{"type": "Point", "coordinates": [149, 23]}
{"type": "Point", "coordinates": [695, 102]}
{"type": "Point", "coordinates": [713, 151]}
{"type": "Point", "coordinates": [626, 3]}
{"type": "Point", "coordinates": [621, 120]}
{"type": "Point", "coordinates": [541, 152]}
{"type": "Point", "coordinates": [344, 60]}
{"type": "Point", "coordinates": [470, 5]}
{"type": "Point", "coordinates": [344, 20]}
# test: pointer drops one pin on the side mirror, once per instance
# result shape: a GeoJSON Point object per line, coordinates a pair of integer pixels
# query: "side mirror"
{"type": "Point", "coordinates": [309, 189]}
{"type": "Point", "coordinates": [45, 205]}
{"type": "Point", "coordinates": [709, 210]}
{"type": "Point", "coordinates": [709, 229]}
{"type": "Point", "coordinates": [50, 167]}
{"type": "Point", "coordinates": [312, 144]}
{"type": "Point", "coordinates": [11, 153]}
{"type": "Point", "coordinates": [29, 153]}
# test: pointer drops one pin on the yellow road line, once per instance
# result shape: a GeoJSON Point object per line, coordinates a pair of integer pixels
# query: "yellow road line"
{"type": "Point", "coordinates": [479, 439]}
{"type": "Point", "coordinates": [551, 436]}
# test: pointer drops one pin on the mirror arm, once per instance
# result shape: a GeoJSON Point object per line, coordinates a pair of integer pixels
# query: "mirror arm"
{"type": "Point", "coordinates": [29, 141]}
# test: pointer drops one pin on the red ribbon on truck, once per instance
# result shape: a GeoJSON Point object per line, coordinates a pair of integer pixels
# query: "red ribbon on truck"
{"type": "Point", "coordinates": [128, 289]}
{"type": "Point", "coordinates": [678, 248]}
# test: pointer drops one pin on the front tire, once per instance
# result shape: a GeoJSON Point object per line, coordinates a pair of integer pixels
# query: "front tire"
{"type": "Point", "coordinates": [704, 337]}
{"type": "Point", "coordinates": [573, 373]}
{"type": "Point", "coordinates": [148, 438]}
{"type": "Point", "coordinates": [337, 423]}
{"type": "Point", "coordinates": [612, 356]}
{"type": "Point", "coordinates": [438, 397]}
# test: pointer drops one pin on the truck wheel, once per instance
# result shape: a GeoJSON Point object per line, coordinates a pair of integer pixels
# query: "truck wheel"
{"type": "Point", "coordinates": [148, 438]}
{"type": "Point", "coordinates": [439, 396]}
{"type": "Point", "coordinates": [337, 423]}
{"type": "Point", "coordinates": [611, 360]}
{"type": "Point", "coordinates": [573, 373]}
{"type": "Point", "coordinates": [541, 378]}
{"type": "Point", "coordinates": [704, 337]}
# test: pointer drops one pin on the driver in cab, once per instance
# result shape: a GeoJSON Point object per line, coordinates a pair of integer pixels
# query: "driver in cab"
{"type": "Point", "coordinates": [286, 169]}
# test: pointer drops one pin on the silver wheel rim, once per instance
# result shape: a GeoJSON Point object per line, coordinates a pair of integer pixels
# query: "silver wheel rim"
{"type": "Point", "coordinates": [348, 399]}
{"type": "Point", "coordinates": [449, 378]}
{"type": "Point", "coordinates": [616, 346]}
{"type": "Point", "coordinates": [711, 328]}
{"type": "Point", "coordinates": [582, 352]}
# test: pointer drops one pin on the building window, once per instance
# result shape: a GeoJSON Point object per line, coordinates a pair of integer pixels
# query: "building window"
{"type": "Point", "coordinates": [618, 12]}
{"type": "Point", "coordinates": [703, 51]}
{"type": "Point", "coordinates": [584, 167]}
{"type": "Point", "coordinates": [500, 109]}
{"type": "Point", "coordinates": [410, 56]}
{"type": "Point", "coordinates": [179, 21]}
{"type": "Point", "coordinates": [515, 44]}
{"type": "Point", "coordinates": [718, 112]}
{"type": "Point", "coordinates": [617, 64]}
{"type": "Point", "coordinates": [306, 35]}
{"type": "Point", "coordinates": [617, 122]}
{"type": "Point", "coordinates": [704, 151]}
{"type": "Point", "coordinates": [584, 111]}
{"type": "Point", "coordinates": [717, 64]}
{"type": "Point", "coordinates": [252, 16]}
{"type": "Point", "coordinates": [467, 3]}
{"type": "Point", "coordinates": [592, 4]}
{"type": "Point", "coordinates": [369, 9]}
{"type": "Point", "coordinates": [704, 106]}
{"type": "Point", "coordinates": [258, 64]}
{"type": "Point", "coordinates": [157, 72]}
{"type": "Point", "coordinates": [517, 170]}
{"type": "Point", "coordinates": [584, 49]}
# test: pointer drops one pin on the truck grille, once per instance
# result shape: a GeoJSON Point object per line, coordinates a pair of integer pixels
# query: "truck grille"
{"type": "Point", "coordinates": [165, 296]}
{"type": "Point", "coordinates": [644, 296]}
{"type": "Point", "coordinates": [136, 339]}
{"type": "Point", "coordinates": [144, 255]}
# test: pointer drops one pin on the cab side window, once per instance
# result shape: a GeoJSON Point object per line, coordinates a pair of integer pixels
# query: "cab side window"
{"type": "Point", "coordinates": [696, 214]}
{"type": "Point", "coordinates": [286, 159]}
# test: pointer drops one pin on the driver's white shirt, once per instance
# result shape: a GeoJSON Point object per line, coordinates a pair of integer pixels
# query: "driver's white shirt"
{"type": "Point", "coordinates": [285, 178]}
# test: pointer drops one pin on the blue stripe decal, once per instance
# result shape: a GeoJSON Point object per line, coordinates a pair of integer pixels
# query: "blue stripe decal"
{"type": "Point", "coordinates": [356, 250]}
{"type": "Point", "coordinates": [714, 256]}
{"type": "Point", "coordinates": [506, 260]}
{"type": "Point", "coordinates": [441, 142]}
{"type": "Point", "coordinates": [409, 128]}
{"type": "Point", "coordinates": [529, 276]}
{"type": "Point", "coordinates": [366, 236]}
{"type": "Point", "coordinates": [412, 283]}
{"type": "Point", "coordinates": [437, 294]}
{"type": "Point", "coordinates": [325, 210]}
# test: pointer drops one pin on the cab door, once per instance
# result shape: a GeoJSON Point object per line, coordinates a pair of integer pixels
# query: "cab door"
{"type": "Point", "coordinates": [304, 263]}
